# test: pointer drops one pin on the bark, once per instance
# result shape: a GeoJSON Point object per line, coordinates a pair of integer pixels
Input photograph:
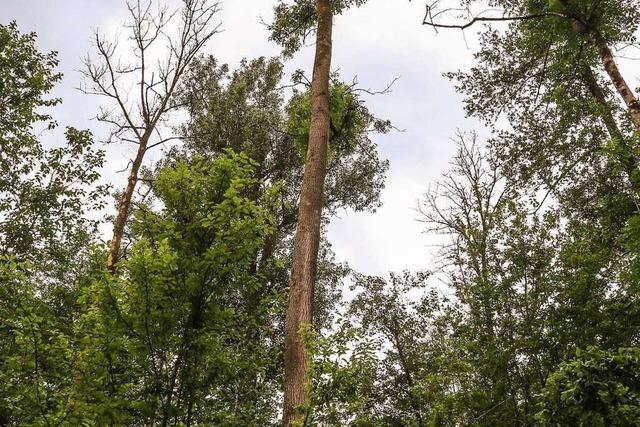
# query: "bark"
{"type": "Point", "coordinates": [123, 206]}
{"type": "Point", "coordinates": [307, 237]}
{"type": "Point", "coordinates": [610, 66]}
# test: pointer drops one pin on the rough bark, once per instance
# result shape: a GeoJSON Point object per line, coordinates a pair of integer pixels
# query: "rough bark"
{"type": "Point", "coordinates": [307, 237]}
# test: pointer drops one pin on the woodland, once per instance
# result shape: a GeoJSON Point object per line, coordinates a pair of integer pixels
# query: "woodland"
{"type": "Point", "coordinates": [216, 298]}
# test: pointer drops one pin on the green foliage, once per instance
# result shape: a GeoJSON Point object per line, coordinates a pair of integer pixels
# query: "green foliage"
{"type": "Point", "coordinates": [396, 314]}
{"type": "Point", "coordinates": [44, 237]}
{"type": "Point", "coordinates": [538, 276]}
{"type": "Point", "coordinates": [541, 253]}
{"type": "Point", "coordinates": [35, 361]}
{"type": "Point", "coordinates": [179, 335]}
{"type": "Point", "coordinates": [26, 77]}
{"type": "Point", "coordinates": [543, 77]}
{"type": "Point", "coordinates": [178, 328]}
{"type": "Point", "coordinates": [342, 378]}
{"type": "Point", "coordinates": [295, 21]}
{"type": "Point", "coordinates": [43, 192]}
{"type": "Point", "coordinates": [244, 110]}
{"type": "Point", "coordinates": [597, 388]}
{"type": "Point", "coordinates": [350, 120]}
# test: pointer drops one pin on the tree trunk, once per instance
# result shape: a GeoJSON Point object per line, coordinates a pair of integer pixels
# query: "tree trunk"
{"type": "Point", "coordinates": [626, 157]}
{"type": "Point", "coordinates": [610, 66]}
{"type": "Point", "coordinates": [609, 63]}
{"type": "Point", "coordinates": [307, 237]}
{"type": "Point", "coordinates": [123, 206]}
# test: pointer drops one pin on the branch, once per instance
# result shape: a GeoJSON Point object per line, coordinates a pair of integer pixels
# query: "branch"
{"type": "Point", "coordinates": [428, 19]}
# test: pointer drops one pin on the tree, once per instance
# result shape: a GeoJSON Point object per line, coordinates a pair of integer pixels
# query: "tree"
{"type": "Point", "coordinates": [343, 372]}
{"type": "Point", "coordinates": [139, 122]}
{"type": "Point", "coordinates": [500, 264]}
{"type": "Point", "coordinates": [45, 196]}
{"type": "Point", "coordinates": [42, 191]}
{"type": "Point", "coordinates": [165, 340]}
{"type": "Point", "coordinates": [307, 239]}
{"type": "Point", "coordinates": [597, 24]}
{"type": "Point", "coordinates": [570, 141]}
{"type": "Point", "coordinates": [245, 110]}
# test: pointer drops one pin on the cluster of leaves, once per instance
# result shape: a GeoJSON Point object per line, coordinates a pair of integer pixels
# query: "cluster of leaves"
{"type": "Point", "coordinates": [178, 327]}
{"type": "Point", "coordinates": [245, 110]}
{"type": "Point", "coordinates": [173, 337]}
{"type": "Point", "coordinates": [295, 21]}
{"type": "Point", "coordinates": [350, 120]}
{"type": "Point", "coordinates": [597, 388]}
{"type": "Point", "coordinates": [42, 191]}
{"type": "Point", "coordinates": [44, 235]}
{"type": "Point", "coordinates": [26, 76]}
{"type": "Point", "coordinates": [342, 378]}
{"type": "Point", "coordinates": [543, 77]}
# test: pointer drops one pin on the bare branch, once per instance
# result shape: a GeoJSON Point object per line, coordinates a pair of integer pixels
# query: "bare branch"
{"type": "Point", "coordinates": [429, 18]}
{"type": "Point", "coordinates": [150, 81]}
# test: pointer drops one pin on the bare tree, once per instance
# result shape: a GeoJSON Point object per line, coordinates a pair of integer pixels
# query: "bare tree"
{"type": "Point", "coordinates": [466, 202]}
{"type": "Point", "coordinates": [140, 92]}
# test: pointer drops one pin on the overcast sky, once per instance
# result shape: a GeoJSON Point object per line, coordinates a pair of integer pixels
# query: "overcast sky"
{"type": "Point", "coordinates": [377, 42]}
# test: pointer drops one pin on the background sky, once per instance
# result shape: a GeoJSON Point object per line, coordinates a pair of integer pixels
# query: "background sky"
{"type": "Point", "coordinates": [377, 42]}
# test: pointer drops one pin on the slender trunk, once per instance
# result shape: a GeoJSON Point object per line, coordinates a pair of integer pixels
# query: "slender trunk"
{"type": "Point", "coordinates": [598, 94]}
{"type": "Point", "coordinates": [609, 63]}
{"type": "Point", "coordinates": [626, 156]}
{"type": "Point", "coordinates": [610, 66]}
{"type": "Point", "coordinates": [123, 206]}
{"type": "Point", "coordinates": [307, 238]}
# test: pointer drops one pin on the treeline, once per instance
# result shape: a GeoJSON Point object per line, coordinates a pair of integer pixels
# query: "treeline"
{"type": "Point", "coordinates": [216, 303]}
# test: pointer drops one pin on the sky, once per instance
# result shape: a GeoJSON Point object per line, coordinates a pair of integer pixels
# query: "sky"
{"type": "Point", "coordinates": [377, 42]}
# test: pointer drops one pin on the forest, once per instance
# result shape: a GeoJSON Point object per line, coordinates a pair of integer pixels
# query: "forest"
{"type": "Point", "coordinates": [200, 287]}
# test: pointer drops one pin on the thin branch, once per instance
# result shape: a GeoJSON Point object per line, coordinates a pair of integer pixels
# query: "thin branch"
{"type": "Point", "coordinates": [429, 19]}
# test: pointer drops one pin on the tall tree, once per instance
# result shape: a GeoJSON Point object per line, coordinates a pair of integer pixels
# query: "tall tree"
{"type": "Point", "coordinates": [293, 23]}
{"type": "Point", "coordinates": [307, 237]}
{"type": "Point", "coordinates": [245, 110]}
{"type": "Point", "coordinates": [569, 140]}
{"type": "Point", "coordinates": [571, 135]}
{"type": "Point", "coordinates": [139, 121]}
